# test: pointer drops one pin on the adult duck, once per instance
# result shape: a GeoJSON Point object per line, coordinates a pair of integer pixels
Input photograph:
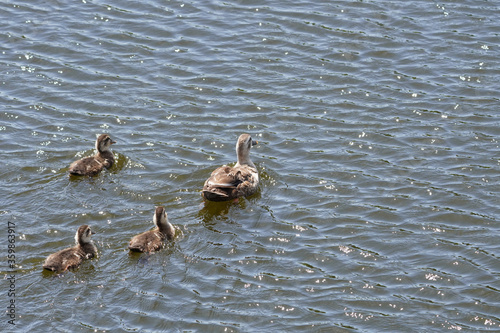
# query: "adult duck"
{"type": "Point", "coordinates": [228, 183]}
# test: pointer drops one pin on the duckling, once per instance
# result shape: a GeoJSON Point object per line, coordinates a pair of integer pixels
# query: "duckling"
{"type": "Point", "coordinates": [227, 183]}
{"type": "Point", "coordinates": [72, 257]}
{"type": "Point", "coordinates": [152, 240]}
{"type": "Point", "coordinates": [91, 166]}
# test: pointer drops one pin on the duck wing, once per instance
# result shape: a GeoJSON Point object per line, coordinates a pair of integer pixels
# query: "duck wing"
{"type": "Point", "coordinates": [228, 183]}
{"type": "Point", "coordinates": [88, 166]}
{"type": "Point", "coordinates": [148, 241]}
{"type": "Point", "coordinates": [62, 260]}
{"type": "Point", "coordinates": [224, 177]}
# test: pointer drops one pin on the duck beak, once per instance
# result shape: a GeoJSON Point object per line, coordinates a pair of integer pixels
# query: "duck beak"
{"type": "Point", "coordinates": [113, 141]}
{"type": "Point", "coordinates": [254, 142]}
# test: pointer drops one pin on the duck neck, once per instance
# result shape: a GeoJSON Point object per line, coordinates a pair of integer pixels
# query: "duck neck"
{"type": "Point", "coordinates": [106, 155]}
{"type": "Point", "coordinates": [167, 229]}
{"type": "Point", "coordinates": [89, 247]}
{"type": "Point", "coordinates": [243, 158]}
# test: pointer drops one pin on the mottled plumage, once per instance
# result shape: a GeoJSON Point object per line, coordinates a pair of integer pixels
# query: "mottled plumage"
{"type": "Point", "coordinates": [91, 166]}
{"type": "Point", "coordinates": [152, 240]}
{"type": "Point", "coordinates": [227, 183]}
{"type": "Point", "coordinates": [72, 257]}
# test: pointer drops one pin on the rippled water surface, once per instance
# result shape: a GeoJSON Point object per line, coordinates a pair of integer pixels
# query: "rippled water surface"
{"type": "Point", "coordinates": [378, 126]}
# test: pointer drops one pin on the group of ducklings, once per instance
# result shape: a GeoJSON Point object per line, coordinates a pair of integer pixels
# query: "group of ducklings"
{"type": "Point", "coordinates": [224, 184]}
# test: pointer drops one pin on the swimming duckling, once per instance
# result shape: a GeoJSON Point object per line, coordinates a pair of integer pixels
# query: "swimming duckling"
{"type": "Point", "coordinates": [227, 183]}
{"type": "Point", "coordinates": [152, 240]}
{"type": "Point", "coordinates": [72, 257]}
{"type": "Point", "coordinates": [91, 166]}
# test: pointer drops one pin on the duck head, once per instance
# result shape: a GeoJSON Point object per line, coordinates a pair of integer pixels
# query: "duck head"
{"type": "Point", "coordinates": [103, 143]}
{"type": "Point", "coordinates": [83, 234]}
{"type": "Point", "coordinates": [243, 146]}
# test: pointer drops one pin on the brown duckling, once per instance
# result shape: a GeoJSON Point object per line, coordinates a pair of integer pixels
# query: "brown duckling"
{"type": "Point", "coordinates": [91, 166]}
{"type": "Point", "coordinates": [72, 257]}
{"type": "Point", "coordinates": [227, 183]}
{"type": "Point", "coordinates": [152, 240]}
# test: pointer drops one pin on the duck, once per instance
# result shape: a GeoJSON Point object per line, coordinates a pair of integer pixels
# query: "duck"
{"type": "Point", "coordinates": [230, 183]}
{"type": "Point", "coordinates": [152, 240]}
{"type": "Point", "coordinates": [72, 257]}
{"type": "Point", "coordinates": [91, 166]}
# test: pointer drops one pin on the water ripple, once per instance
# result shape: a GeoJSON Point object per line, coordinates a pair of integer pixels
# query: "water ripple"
{"type": "Point", "coordinates": [376, 123]}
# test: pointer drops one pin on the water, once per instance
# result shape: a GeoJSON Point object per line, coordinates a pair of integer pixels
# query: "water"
{"type": "Point", "coordinates": [378, 128]}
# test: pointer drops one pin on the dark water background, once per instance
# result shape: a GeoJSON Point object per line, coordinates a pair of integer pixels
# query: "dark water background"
{"type": "Point", "coordinates": [378, 123]}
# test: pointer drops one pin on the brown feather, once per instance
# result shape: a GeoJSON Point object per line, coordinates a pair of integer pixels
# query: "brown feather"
{"type": "Point", "coordinates": [227, 183]}
{"type": "Point", "coordinates": [72, 257]}
{"type": "Point", "coordinates": [91, 166]}
{"type": "Point", "coordinates": [152, 240]}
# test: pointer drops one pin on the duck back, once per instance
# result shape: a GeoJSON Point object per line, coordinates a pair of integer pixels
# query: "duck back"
{"type": "Point", "coordinates": [64, 259]}
{"type": "Point", "coordinates": [148, 241]}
